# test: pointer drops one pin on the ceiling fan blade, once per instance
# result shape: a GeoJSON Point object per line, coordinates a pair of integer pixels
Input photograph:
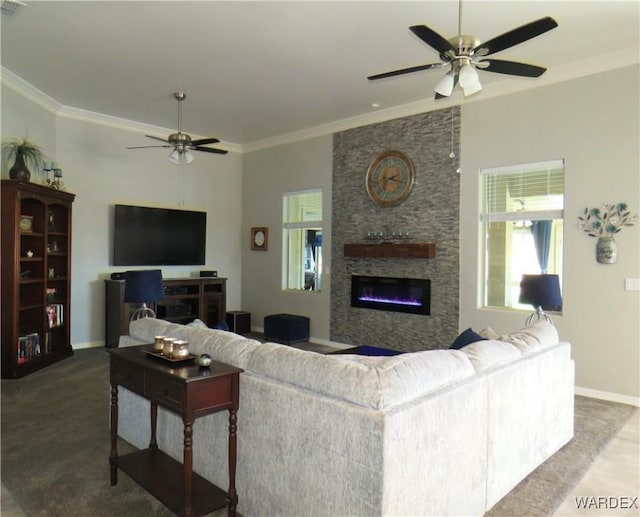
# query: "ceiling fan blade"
{"type": "Point", "coordinates": [148, 146]}
{"type": "Point", "coordinates": [500, 66]}
{"type": "Point", "coordinates": [156, 138]}
{"type": "Point", "coordinates": [515, 36]}
{"type": "Point", "coordinates": [204, 141]}
{"type": "Point", "coordinates": [406, 71]}
{"type": "Point", "coordinates": [433, 39]}
{"type": "Point", "coordinates": [209, 150]}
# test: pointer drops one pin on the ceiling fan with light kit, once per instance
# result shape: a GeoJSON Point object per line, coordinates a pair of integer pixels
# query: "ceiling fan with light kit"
{"type": "Point", "coordinates": [466, 53]}
{"type": "Point", "coordinates": [182, 143]}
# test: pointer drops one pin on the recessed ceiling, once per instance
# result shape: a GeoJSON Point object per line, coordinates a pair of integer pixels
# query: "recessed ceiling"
{"type": "Point", "coordinates": [256, 70]}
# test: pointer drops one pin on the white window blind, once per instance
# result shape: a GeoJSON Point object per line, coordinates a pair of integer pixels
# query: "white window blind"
{"type": "Point", "coordinates": [523, 192]}
{"type": "Point", "coordinates": [302, 207]}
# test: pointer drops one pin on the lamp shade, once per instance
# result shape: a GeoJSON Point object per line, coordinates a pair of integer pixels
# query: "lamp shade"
{"type": "Point", "coordinates": [541, 291]}
{"type": "Point", "coordinates": [445, 85]}
{"type": "Point", "coordinates": [144, 286]}
{"type": "Point", "coordinates": [181, 157]}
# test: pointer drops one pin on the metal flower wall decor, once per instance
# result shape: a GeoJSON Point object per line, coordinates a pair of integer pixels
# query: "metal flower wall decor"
{"type": "Point", "coordinates": [604, 224]}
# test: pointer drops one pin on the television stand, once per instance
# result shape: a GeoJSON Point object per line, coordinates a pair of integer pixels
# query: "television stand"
{"type": "Point", "coordinates": [185, 300]}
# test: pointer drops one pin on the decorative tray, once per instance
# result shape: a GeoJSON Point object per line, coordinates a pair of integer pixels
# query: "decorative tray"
{"type": "Point", "coordinates": [153, 353]}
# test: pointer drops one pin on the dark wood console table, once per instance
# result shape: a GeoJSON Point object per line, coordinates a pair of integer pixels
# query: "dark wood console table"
{"type": "Point", "coordinates": [190, 392]}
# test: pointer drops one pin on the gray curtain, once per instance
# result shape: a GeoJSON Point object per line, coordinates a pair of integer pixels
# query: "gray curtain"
{"type": "Point", "coordinates": [541, 231]}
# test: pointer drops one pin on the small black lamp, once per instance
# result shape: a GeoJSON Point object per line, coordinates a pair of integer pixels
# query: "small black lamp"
{"type": "Point", "coordinates": [543, 292]}
{"type": "Point", "coordinates": [144, 286]}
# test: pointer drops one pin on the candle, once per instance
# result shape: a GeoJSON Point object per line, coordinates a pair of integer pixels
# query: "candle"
{"type": "Point", "coordinates": [53, 165]}
{"type": "Point", "coordinates": [46, 166]}
{"type": "Point", "coordinates": [57, 173]}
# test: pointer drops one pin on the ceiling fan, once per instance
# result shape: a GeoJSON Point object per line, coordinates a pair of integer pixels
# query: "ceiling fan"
{"type": "Point", "coordinates": [182, 143]}
{"type": "Point", "coordinates": [464, 53]}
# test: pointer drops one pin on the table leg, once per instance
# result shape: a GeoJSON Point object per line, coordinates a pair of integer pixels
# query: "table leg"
{"type": "Point", "coordinates": [232, 495]}
{"type": "Point", "coordinates": [113, 456]}
{"type": "Point", "coordinates": [188, 466]}
{"type": "Point", "coordinates": [153, 444]}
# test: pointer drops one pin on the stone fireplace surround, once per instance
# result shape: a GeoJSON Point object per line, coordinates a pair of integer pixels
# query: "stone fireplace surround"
{"type": "Point", "coordinates": [429, 214]}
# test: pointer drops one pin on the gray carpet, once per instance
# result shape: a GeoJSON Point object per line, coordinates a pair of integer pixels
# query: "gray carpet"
{"type": "Point", "coordinates": [55, 448]}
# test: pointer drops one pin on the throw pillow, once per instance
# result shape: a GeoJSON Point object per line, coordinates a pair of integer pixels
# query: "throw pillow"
{"type": "Point", "coordinates": [488, 333]}
{"type": "Point", "coordinates": [466, 338]}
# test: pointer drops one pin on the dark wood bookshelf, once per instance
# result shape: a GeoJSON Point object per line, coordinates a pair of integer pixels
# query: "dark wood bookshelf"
{"type": "Point", "coordinates": [34, 260]}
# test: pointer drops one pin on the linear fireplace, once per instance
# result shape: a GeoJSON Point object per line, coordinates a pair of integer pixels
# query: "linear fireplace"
{"type": "Point", "coordinates": [412, 295]}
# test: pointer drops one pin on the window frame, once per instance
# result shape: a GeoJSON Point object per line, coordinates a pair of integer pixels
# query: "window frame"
{"type": "Point", "coordinates": [291, 223]}
{"type": "Point", "coordinates": [486, 217]}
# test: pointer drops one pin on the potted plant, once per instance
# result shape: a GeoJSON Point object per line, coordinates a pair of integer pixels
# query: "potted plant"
{"type": "Point", "coordinates": [26, 154]}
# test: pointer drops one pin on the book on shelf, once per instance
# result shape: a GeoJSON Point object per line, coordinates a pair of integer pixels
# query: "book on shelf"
{"type": "Point", "coordinates": [48, 340]}
{"type": "Point", "coordinates": [55, 315]}
{"type": "Point", "coordinates": [28, 347]}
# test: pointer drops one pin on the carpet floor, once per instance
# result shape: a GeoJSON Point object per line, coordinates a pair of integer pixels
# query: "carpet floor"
{"type": "Point", "coordinates": [55, 448]}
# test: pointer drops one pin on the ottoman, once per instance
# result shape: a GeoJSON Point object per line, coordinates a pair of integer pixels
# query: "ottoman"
{"type": "Point", "coordinates": [286, 328]}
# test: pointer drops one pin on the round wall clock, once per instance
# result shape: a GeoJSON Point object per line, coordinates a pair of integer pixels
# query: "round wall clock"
{"type": "Point", "coordinates": [259, 238]}
{"type": "Point", "coordinates": [390, 178]}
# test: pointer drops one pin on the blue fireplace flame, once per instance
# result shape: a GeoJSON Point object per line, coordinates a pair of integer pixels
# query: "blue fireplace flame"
{"type": "Point", "coordinates": [411, 295]}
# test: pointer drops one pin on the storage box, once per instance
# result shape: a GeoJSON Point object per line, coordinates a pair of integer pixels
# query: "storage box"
{"type": "Point", "coordinates": [286, 328]}
{"type": "Point", "coordinates": [239, 322]}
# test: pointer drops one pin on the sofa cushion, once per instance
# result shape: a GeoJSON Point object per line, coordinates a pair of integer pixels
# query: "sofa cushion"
{"type": "Point", "coordinates": [375, 382]}
{"type": "Point", "coordinates": [146, 329]}
{"type": "Point", "coordinates": [465, 338]}
{"type": "Point", "coordinates": [532, 338]}
{"type": "Point", "coordinates": [223, 346]}
{"type": "Point", "coordinates": [486, 354]}
{"type": "Point", "coordinates": [488, 333]}
{"type": "Point", "coordinates": [197, 323]}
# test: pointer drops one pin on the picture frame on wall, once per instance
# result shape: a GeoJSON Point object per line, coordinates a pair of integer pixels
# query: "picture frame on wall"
{"type": "Point", "coordinates": [259, 238]}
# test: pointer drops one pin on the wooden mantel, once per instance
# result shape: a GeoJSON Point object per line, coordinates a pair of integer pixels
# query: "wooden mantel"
{"type": "Point", "coordinates": [391, 250]}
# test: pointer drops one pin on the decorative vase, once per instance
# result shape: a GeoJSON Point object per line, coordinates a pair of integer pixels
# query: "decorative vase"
{"type": "Point", "coordinates": [606, 250]}
{"type": "Point", "coordinates": [19, 170]}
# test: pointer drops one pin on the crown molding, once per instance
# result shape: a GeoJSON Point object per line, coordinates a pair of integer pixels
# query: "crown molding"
{"type": "Point", "coordinates": [27, 90]}
{"type": "Point", "coordinates": [33, 94]}
{"type": "Point", "coordinates": [588, 66]}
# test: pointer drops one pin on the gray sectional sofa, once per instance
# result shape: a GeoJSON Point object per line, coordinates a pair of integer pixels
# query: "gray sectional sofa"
{"type": "Point", "coordinates": [439, 432]}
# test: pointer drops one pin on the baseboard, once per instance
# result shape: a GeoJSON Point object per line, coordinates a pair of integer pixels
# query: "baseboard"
{"type": "Point", "coordinates": [88, 344]}
{"type": "Point", "coordinates": [605, 395]}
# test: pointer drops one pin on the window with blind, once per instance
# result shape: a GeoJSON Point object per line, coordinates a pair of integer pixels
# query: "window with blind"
{"type": "Point", "coordinates": [522, 211]}
{"type": "Point", "coordinates": [302, 240]}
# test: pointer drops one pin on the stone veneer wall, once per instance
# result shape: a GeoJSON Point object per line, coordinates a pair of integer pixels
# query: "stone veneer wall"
{"type": "Point", "coordinates": [429, 214]}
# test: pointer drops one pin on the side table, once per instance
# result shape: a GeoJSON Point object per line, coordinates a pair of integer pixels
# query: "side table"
{"type": "Point", "coordinates": [190, 392]}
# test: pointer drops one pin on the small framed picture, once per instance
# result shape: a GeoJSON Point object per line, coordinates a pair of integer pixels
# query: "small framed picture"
{"type": "Point", "coordinates": [26, 223]}
{"type": "Point", "coordinates": [259, 238]}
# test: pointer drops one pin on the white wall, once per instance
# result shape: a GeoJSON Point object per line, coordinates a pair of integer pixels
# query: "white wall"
{"type": "Point", "coordinates": [267, 175]}
{"type": "Point", "coordinates": [592, 123]}
{"type": "Point", "coordinates": [101, 172]}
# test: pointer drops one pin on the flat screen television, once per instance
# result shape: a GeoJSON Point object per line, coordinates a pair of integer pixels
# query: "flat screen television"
{"type": "Point", "coordinates": [146, 236]}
